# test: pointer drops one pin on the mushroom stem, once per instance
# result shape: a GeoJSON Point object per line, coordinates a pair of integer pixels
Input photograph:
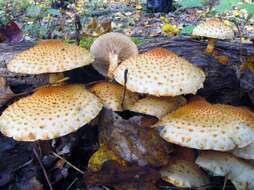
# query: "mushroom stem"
{"type": "Point", "coordinates": [55, 77]}
{"type": "Point", "coordinates": [211, 45]}
{"type": "Point", "coordinates": [113, 63]}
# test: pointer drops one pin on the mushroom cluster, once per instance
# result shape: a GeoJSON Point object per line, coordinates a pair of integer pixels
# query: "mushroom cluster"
{"type": "Point", "coordinates": [216, 137]}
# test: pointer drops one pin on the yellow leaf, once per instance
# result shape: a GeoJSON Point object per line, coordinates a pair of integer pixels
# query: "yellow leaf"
{"type": "Point", "coordinates": [168, 28]}
{"type": "Point", "coordinates": [228, 23]}
{"type": "Point", "coordinates": [102, 155]}
{"type": "Point", "coordinates": [165, 19]}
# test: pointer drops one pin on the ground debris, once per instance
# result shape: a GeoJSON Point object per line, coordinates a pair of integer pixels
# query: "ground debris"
{"type": "Point", "coordinates": [123, 177]}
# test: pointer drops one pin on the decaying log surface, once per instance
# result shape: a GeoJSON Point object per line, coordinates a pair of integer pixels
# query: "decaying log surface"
{"type": "Point", "coordinates": [224, 83]}
{"type": "Point", "coordinates": [19, 82]}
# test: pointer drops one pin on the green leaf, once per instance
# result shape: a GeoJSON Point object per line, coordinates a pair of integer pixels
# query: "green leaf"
{"type": "Point", "coordinates": [33, 11]}
{"type": "Point", "coordinates": [54, 12]}
{"type": "Point", "coordinates": [187, 29]}
{"type": "Point", "coordinates": [186, 4]}
{"type": "Point", "coordinates": [86, 42]}
{"type": "Point", "coordinates": [137, 41]}
{"type": "Point", "coordinates": [225, 5]}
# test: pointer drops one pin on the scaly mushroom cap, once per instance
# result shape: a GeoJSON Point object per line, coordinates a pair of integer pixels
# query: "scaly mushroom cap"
{"type": "Point", "coordinates": [183, 173]}
{"type": "Point", "coordinates": [237, 170]}
{"type": "Point", "coordinates": [108, 44]}
{"type": "Point", "coordinates": [160, 72]}
{"type": "Point", "coordinates": [246, 152]}
{"type": "Point", "coordinates": [204, 126]}
{"type": "Point", "coordinates": [157, 106]}
{"type": "Point", "coordinates": [112, 95]}
{"type": "Point", "coordinates": [50, 56]}
{"type": "Point", "coordinates": [213, 28]}
{"type": "Point", "coordinates": [49, 113]}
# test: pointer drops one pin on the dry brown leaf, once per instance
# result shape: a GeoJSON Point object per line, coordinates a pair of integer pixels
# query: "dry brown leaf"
{"type": "Point", "coordinates": [132, 142]}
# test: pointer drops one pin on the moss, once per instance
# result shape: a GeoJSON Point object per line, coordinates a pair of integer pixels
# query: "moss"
{"type": "Point", "coordinates": [137, 41]}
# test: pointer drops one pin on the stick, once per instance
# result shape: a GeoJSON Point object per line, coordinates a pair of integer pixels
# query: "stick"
{"type": "Point", "coordinates": [70, 164]}
{"type": "Point", "coordinates": [225, 182]}
{"type": "Point", "coordinates": [43, 168]}
{"type": "Point", "coordinates": [124, 89]}
{"type": "Point", "coordinates": [78, 28]}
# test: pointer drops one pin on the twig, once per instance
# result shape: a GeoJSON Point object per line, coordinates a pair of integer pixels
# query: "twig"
{"type": "Point", "coordinates": [23, 165]}
{"type": "Point", "coordinates": [78, 28]}
{"type": "Point", "coordinates": [225, 182]}
{"type": "Point", "coordinates": [43, 168]}
{"type": "Point", "coordinates": [71, 183]}
{"type": "Point", "coordinates": [70, 164]}
{"type": "Point", "coordinates": [124, 87]}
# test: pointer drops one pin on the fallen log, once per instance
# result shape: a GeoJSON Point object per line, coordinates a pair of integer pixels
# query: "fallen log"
{"type": "Point", "coordinates": [224, 83]}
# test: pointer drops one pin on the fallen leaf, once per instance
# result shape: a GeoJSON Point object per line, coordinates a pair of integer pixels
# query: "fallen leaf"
{"type": "Point", "coordinates": [170, 29]}
{"type": "Point", "coordinates": [131, 141]}
{"type": "Point", "coordinates": [101, 156]}
{"type": "Point", "coordinates": [120, 177]}
{"type": "Point", "coordinates": [11, 32]}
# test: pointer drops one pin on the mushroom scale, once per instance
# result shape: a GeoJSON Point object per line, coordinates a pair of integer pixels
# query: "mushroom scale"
{"type": "Point", "coordinates": [204, 126]}
{"type": "Point", "coordinates": [160, 72]}
{"type": "Point", "coordinates": [50, 56]}
{"type": "Point", "coordinates": [49, 113]}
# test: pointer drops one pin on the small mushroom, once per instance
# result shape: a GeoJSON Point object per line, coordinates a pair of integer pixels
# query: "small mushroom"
{"type": "Point", "coordinates": [109, 50]}
{"type": "Point", "coordinates": [183, 173]}
{"type": "Point", "coordinates": [50, 56]}
{"type": "Point", "coordinates": [160, 72]}
{"type": "Point", "coordinates": [213, 29]}
{"type": "Point", "coordinates": [206, 126]}
{"type": "Point", "coordinates": [112, 95]}
{"type": "Point", "coordinates": [237, 170]}
{"type": "Point", "coordinates": [157, 106]}
{"type": "Point", "coordinates": [50, 112]}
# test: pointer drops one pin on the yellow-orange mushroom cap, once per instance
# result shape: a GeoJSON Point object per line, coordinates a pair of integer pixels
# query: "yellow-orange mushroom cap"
{"type": "Point", "coordinates": [112, 95]}
{"type": "Point", "coordinates": [50, 56]}
{"type": "Point", "coordinates": [205, 126]}
{"type": "Point", "coordinates": [160, 72]}
{"type": "Point", "coordinates": [49, 113]}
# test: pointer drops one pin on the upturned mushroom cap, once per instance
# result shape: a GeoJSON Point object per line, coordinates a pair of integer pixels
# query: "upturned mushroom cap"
{"type": "Point", "coordinates": [225, 164]}
{"type": "Point", "coordinates": [112, 95]}
{"type": "Point", "coordinates": [50, 56]}
{"type": "Point", "coordinates": [183, 173]}
{"type": "Point", "coordinates": [245, 152]}
{"type": "Point", "coordinates": [213, 28]}
{"type": "Point", "coordinates": [204, 126]}
{"type": "Point", "coordinates": [157, 106]}
{"type": "Point", "coordinates": [49, 113]}
{"type": "Point", "coordinates": [160, 72]}
{"type": "Point", "coordinates": [108, 44]}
